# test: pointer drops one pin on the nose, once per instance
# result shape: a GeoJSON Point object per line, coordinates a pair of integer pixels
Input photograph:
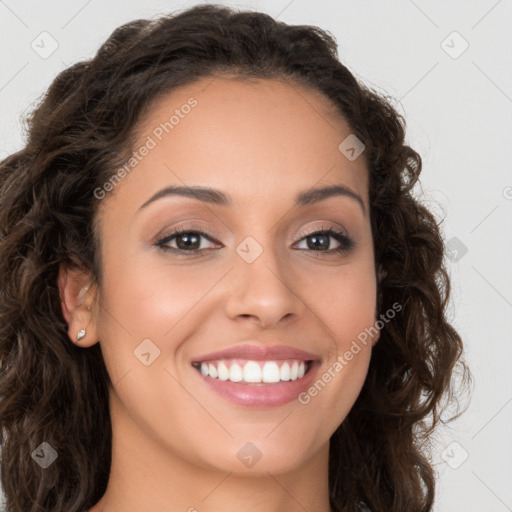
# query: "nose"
{"type": "Point", "coordinates": [262, 292]}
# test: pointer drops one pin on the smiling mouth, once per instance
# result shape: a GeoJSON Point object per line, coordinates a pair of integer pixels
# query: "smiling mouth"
{"type": "Point", "coordinates": [246, 371]}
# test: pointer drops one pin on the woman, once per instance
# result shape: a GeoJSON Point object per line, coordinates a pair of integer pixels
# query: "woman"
{"type": "Point", "coordinates": [217, 289]}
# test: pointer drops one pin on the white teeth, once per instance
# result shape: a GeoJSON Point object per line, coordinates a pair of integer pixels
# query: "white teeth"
{"type": "Point", "coordinates": [270, 372]}
{"type": "Point", "coordinates": [285, 372]}
{"type": "Point", "coordinates": [294, 371]}
{"type": "Point", "coordinates": [223, 371]}
{"type": "Point", "coordinates": [212, 371]}
{"type": "Point", "coordinates": [254, 372]}
{"type": "Point", "coordinates": [235, 373]}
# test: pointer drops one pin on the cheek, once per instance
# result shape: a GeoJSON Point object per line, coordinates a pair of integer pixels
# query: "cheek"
{"type": "Point", "coordinates": [353, 310]}
{"type": "Point", "coordinates": [139, 302]}
{"type": "Point", "coordinates": [347, 310]}
{"type": "Point", "coordinates": [149, 300]}
{"type": "Point", "coordinates": [345, 303]}
{"type": "Point", "coordinates": [344, 299]}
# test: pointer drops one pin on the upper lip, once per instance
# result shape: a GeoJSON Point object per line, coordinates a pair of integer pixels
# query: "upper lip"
{"type": "Point", "coordinates": [258, 353]}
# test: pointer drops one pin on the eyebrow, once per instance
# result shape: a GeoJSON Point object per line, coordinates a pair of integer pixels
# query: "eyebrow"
{"type": "Point", "coordinates": [216, 197]}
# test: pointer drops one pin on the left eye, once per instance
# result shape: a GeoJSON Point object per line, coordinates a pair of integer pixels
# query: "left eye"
{"type": "Point", "coordinates": [321, 241]}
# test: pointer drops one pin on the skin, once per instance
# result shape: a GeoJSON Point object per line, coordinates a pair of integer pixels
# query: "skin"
{"type": "Point", "coordinates": [175, 441]}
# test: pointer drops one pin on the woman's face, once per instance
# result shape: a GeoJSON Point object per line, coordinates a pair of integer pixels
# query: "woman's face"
{"type": "Point", "coordinates": [258, 296]}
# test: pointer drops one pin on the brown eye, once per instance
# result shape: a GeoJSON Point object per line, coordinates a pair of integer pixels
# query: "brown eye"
{"type": "Point", "coordinates": [320, 241]}
{"type": "Point", "coordinates": [183, 240]}
{"type": "Point", "coordinates": [188, 241]}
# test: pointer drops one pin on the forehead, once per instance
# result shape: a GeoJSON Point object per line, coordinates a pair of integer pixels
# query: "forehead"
{"type": "Point", "coordinates": [261, 138]}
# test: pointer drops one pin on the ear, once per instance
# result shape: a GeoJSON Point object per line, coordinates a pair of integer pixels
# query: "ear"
{"type": "Point", "coordinates": [77, 296]}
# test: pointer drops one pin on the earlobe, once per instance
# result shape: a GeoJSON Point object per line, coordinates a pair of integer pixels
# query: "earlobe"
{"type": "Point", "coordinates": [77, 295]}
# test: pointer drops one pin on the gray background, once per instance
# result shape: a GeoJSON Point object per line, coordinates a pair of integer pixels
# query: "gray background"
{"type": "Point", "coordinates": [458, 107]}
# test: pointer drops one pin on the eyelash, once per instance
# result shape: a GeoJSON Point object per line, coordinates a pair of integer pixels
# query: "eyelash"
{"type": "Point", "coordinates": [346, 243]}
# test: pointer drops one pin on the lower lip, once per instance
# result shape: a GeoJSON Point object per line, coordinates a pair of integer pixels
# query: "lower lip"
{"type": "Point", "coordinates": [260, 395]}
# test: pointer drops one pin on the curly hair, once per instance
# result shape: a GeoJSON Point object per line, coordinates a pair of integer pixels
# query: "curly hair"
{"type": "Point", "coordinates": [84, 127]}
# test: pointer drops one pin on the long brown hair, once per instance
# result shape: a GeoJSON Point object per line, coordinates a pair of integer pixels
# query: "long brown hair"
{"type": "Point", "coordinates": [53, 391]}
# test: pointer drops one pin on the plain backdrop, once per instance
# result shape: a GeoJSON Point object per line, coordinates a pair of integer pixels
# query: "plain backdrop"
{"type": "Point", "coordinates": [449, 67]}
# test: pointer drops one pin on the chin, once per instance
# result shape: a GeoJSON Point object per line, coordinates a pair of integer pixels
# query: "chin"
{"type": "Point", "coordinates": [259, 457]}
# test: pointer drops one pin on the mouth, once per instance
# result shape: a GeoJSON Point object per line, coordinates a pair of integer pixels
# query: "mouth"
{"type": "Point", "coordinates": [254, 372]}
{"type": "Point", "coordinates": [256, 376]}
